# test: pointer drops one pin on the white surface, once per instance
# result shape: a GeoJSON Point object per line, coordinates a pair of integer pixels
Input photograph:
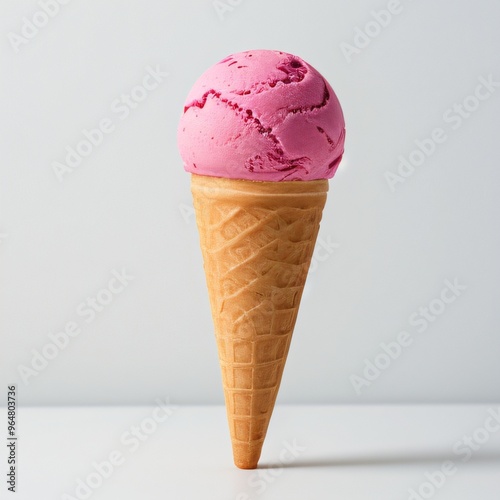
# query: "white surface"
{"type": "Point", "coordinates": [123, 207]}
{"type": "Point", "coordinates": [352, 453]}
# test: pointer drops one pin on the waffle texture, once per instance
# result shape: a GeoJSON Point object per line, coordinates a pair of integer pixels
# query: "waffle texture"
{"type": "Point", "coordinates": [257, 240]}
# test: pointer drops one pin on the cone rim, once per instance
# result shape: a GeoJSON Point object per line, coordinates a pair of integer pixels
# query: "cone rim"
{"type": "Point", "coordinates": [319, 186]}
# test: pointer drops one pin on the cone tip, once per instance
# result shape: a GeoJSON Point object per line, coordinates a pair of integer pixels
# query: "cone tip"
{"type": "Point", "coordinates": [246, 464]}
{"type": "Point", "coordinates": [245, 456]}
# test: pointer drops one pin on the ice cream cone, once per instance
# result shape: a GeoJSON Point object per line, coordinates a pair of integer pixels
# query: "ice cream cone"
{"type": "Point", "coordinates": [257, 240]}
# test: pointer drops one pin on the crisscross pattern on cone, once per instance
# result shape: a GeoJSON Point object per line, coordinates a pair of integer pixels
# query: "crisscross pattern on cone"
{"type": "Point", "coordinates": [257, 240]}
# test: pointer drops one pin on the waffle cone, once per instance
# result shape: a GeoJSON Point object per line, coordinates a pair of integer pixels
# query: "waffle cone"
{"type": "Point", "coordinates": [257, 240]}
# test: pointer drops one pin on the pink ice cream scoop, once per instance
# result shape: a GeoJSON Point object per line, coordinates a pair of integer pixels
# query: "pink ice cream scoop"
{"type": "Point", "coordinates": [262, 115]}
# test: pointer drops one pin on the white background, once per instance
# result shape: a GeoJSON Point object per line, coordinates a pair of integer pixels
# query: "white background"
{"type": "Point", "coordinates": [127, 205]}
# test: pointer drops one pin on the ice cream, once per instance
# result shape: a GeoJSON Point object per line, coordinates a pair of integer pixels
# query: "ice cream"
{"type": "Point", "coordinates": [253, 119]}
{"type": "Point", "coordinates": [262, 115]}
